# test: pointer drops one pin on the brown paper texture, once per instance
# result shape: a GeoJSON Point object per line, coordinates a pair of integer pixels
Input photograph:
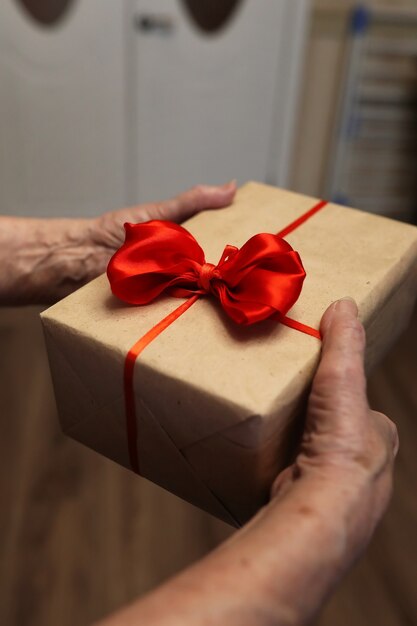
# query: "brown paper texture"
{"type": "Point", "coordinates": [219, 405]}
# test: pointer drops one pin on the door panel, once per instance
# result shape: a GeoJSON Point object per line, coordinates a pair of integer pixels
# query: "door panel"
{"type": "Point", "coordinates": [212, 106]}
{"type": "Point", "coordinates": [62, 110]}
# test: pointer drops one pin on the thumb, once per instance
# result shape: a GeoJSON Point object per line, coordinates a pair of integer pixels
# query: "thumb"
{"type": "Point", "coordinates": [340, 378]}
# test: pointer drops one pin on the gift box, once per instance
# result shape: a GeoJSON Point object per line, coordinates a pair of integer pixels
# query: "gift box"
{"type": "Point", "coordinates": [212, 408]}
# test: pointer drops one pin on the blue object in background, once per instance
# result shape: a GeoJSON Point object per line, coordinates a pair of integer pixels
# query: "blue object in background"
{"type": "Point", "coordinates": [341, 199]}
{"type": "Point", "coordinates": [361, 18]}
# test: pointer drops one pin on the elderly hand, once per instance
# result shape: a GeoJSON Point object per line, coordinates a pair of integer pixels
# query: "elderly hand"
{"type": "Point", "coordinates": [280, 568]}
{"type": "Point", "coordinates": [44, 260]}
{"type": "Point", "coordinates": [344, 441]}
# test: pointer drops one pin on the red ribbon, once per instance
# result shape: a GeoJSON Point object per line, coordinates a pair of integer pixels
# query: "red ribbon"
{"type": "Point", "coordinates": [261, 280]}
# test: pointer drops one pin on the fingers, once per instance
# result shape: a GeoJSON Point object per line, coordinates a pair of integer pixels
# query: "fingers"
{"type": "Point", "coordinates": [339, 421]}
{"type": "Point", "coordinates": [108, 228]}
{"type": "Point", "coordinates": [341, 368]}
{"type": "Point", "coordinates": [197, 199]}
{"type": "Point", "coordinates": [345, 445]}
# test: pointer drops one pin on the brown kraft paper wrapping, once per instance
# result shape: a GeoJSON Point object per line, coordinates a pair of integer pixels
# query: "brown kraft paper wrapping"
{"type": "Point", "coordinates": [218, 405]}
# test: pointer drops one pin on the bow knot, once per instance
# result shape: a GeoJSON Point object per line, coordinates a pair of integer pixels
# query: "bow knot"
{"type": "Point", "coordinates": [208, 271]}
{"type": "Point", "coordinates": [261, 279]}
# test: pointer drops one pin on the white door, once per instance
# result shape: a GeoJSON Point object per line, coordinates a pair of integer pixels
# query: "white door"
{"type": "Point", "coordinates": [212, 106]}
{"type": "Point", "coordinates": [62, 108]}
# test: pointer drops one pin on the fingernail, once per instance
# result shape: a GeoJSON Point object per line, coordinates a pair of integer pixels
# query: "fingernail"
{"type": "Point", "coordinates": [231, 183]}
{"type": "Point", "coordinates": [346, 305]}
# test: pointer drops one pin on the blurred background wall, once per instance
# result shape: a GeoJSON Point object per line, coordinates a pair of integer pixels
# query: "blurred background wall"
{"type": "Point", "coordinates": [117, 103]}
{"type": "Point", "coordinates": [357, 129]}
{"type": "Point", "coordinates": [104, 104]}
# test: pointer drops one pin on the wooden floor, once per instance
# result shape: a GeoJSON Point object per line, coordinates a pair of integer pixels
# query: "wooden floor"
{"type": "Point", "coordinates": [80, 536]}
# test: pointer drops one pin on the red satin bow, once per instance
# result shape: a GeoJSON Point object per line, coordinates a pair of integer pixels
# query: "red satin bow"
{"type": "Point", "coordinates": [261, 279]}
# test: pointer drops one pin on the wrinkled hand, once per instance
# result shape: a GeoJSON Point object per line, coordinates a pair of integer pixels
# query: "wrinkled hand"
{"type": "Point", "coordinates": [345, 442]}
{"type": "Point", "coordinates": [106, 232]}
{"type": "Point", "coordinates": [280, 568]}
{"type": "Point", "coordinates": [44, 260]}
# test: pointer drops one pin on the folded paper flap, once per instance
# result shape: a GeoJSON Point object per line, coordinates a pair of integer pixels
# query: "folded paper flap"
{"type": "Point", "coordinates": [217, 458]}
{"type": "Point", "coordinates": [250, 434]}
{"type": "Point", "coordinates": [161, 461]}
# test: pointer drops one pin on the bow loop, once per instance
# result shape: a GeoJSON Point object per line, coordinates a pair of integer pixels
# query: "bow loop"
{"type": "Point", "coordinates": [259, 280]}
{"type": "Point", "coordinates": [228, 253]}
